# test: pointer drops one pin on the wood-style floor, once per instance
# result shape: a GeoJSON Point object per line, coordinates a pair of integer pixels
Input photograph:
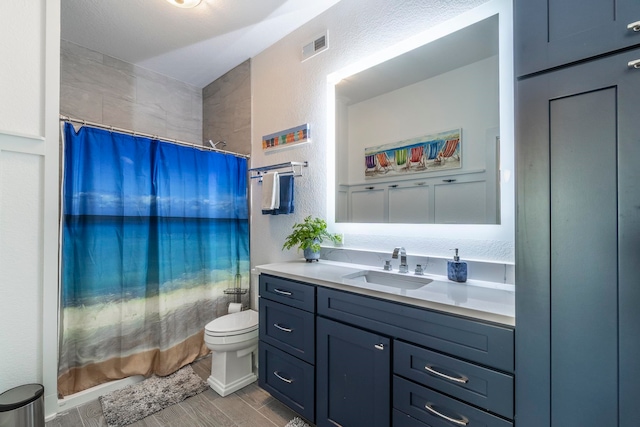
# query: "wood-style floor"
{"type": "Point", "coordinates": [249, 407]}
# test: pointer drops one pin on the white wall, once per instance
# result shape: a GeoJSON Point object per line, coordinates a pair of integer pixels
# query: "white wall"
{"type": "Point", "coordinates": [29, 93]}
{"type": "Point", "coordinates": [287, 93]}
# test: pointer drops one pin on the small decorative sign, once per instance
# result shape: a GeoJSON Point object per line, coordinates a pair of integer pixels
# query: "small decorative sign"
{"type": "Point", "coordinates": [428, 153]}
{"type": "Point", "coordinates": [286, 138]}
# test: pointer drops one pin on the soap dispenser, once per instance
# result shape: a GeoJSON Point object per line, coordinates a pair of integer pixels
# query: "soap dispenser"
{"type": "Point", "coordinates": [456, 269]}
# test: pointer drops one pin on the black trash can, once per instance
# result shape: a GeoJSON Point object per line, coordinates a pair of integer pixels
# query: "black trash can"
{"type": "Point", "coordinates": [22, 406]}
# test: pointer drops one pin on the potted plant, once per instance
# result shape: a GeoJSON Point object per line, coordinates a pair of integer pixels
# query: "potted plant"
{"type": "Point", "coordinates": [308, 235]}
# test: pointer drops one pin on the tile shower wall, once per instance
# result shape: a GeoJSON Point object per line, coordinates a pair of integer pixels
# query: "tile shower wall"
{"type": "Point", "coordinates": [103, 89]}
{"type": "Point", "coordinates": [227, 109]}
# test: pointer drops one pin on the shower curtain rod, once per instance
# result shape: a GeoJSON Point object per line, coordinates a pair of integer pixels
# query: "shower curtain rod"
{"type": "Point", "coordinates": [148, 135]}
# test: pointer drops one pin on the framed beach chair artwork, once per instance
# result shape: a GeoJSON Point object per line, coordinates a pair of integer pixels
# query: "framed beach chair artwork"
{"type": "Point", "coordinates": [423, 154]}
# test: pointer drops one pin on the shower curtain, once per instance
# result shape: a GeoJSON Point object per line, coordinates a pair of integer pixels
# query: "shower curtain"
{"type": "Point", "coordinates": [152, 235]}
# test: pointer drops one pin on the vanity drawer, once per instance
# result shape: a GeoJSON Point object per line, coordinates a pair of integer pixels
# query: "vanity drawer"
{"type": "Point", "coordinates": [431, 407]}
{"type": "Point", "coordinates": [288, 379]}
{"type": "Point", "coordinates": [287, 328]}
{"type": "Point", "coordinates": [479, 386]}
{"type": "Point", "coordinates": [473, 340]}
{"type": "Point", "coordinates": [289, 292]}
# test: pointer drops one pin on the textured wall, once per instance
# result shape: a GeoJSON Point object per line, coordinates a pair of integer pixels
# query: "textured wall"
{"type": "Point", "coordinates": [287, 93]}
{"type": "Point", "coordinates": [99, 88]}
{"type": "Point", "coordinates": [226, 110]}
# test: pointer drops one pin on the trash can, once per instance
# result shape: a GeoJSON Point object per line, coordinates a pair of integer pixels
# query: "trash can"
{"type": "Point", "coordinates": [22, 406]}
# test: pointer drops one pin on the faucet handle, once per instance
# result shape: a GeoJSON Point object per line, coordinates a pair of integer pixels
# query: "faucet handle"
{"type": "Point", "coordinates": [419, 271]}
{"type": "Point", "coordinates": [387, 265]}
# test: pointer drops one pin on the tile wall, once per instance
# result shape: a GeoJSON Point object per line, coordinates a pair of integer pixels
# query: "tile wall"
{"type": "Point", "coordinates": [227, 109]}
{"type": "Point", "coordinates": [103, 89]}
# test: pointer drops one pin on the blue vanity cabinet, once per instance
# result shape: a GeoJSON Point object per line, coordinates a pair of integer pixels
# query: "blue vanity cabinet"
{"type": "Point", "coordinates": [554, 33]}
{"type": "Point", "coordinates": [462, 368]}
{"type": "Point", "coordinates": [287, 342]}
{"type": "Point", "coordinates": [353, 376]}
{"type": "Point", "coordinates": [578, 229]}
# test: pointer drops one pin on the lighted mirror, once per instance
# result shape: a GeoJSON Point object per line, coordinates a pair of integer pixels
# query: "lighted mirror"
{"type": "Point", "coordinates": [423, 132]}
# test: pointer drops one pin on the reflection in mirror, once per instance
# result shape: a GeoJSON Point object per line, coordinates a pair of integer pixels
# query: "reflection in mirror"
{"type": "Point", "coordinates": [417, 137]}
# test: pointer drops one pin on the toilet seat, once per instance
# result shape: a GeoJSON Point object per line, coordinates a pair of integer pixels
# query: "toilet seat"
{"type": "Point", "coordinates": [233, 324]}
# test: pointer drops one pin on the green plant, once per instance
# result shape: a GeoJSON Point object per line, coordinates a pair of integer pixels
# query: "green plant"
{"type": "Point", "coordinates": [309, 234]}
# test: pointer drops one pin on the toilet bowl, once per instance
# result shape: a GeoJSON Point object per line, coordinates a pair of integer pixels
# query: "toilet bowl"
{"type": "Point", "coordinates": [233, 340]}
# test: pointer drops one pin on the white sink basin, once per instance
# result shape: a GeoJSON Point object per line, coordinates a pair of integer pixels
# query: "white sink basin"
{"type": "Point", "coordinates": [394, 280]}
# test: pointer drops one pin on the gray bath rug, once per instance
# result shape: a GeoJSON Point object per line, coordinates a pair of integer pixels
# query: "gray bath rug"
{"type": "Point", "coordinates": [297, 422]}
{"type": "Point", "coordinates": [135, 402]}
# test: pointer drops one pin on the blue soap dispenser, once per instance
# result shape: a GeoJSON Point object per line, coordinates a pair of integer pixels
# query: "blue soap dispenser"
{"type": "Point", "coordinates": [456, 269]}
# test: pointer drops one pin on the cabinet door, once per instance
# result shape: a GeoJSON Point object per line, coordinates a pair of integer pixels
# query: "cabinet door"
{"type": "Point", "coordinates": [462, 203]}
{"type": "Point", "coordinates": [556, 32]}
{"type": "Point", "coordinates": [353, 374]}
{"type": "Point", "coordinates": [367, 204]}
{"type": "Point", "coordinates": [577, 252]}
{"type": "Point", "coordinates": [409, 203]}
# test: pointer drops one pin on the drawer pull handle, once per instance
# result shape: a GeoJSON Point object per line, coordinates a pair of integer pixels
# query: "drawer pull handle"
{"type": "Point", "coordinates": [278, 291]}
{"type": "Point", "coordinates": [420, 183]}
{"type": "Point", "coordinates": [282, 328]}
{"type": "Point", "coordinates": [462, 379]}
{"type": "Point", "coordinates": [463, 422]}
{"type": "Point", "coordinates": [634, 64]}
{"type": "Point", "coordinates": [634, 26]}
{"type": "Point", "coordinates": [280, 377]}
{"type": "Point", "coordinates": [369, 188]}
{"type": "Point", "coordinates": [448, 180]}
{"type": "Point", "coordinates": [379, 346]}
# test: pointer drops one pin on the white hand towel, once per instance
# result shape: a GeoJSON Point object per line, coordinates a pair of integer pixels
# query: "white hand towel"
{"type": "Point", "coordinates": [270, 191]}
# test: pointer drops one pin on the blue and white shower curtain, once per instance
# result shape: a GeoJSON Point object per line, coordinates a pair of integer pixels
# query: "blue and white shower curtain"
{"type": "Point", "coordinates": [153, 233]}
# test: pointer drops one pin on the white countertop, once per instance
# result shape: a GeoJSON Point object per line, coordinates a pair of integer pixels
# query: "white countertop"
{"type": "Point", "coordinates": [493, 302]}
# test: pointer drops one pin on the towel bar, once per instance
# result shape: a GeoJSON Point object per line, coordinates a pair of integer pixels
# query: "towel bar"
{"type": "Point", "coordinates": [256, 173]}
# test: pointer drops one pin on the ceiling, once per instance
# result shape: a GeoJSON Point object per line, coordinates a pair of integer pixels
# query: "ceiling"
{"type": "Point", "coordinates": [195, 46]}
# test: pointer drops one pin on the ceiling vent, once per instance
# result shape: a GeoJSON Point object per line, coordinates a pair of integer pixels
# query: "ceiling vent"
{"type": "Point", "coordinates": [321, 43]}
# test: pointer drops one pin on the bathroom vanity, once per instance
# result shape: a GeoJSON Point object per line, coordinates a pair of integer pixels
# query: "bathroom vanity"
{"type": "Point", "coordinates": [342, 350]}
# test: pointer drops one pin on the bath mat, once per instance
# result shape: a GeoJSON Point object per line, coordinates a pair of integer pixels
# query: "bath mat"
{"type": "Point", "coordinates": [297, 422]}
{"type": "Point", "coordinates": [135, 402]}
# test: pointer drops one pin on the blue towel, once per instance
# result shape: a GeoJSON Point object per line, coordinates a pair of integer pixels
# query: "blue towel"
{"type": "Point", "coordinates": [286, 197]}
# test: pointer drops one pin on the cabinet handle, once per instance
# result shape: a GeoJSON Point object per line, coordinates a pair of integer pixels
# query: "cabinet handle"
{"type": "Point", "coordinates": [379, 346]}
{"type": "Point", "coordinates": [278, 291]}
{"type": "Point", "coordinates": [462, 379]}
{"type": "Point", "coordinates": [420, 183]}
{"type": "Point", "coordinates": [369, 188]}
{"type": "Point", "coordinates": [463, 422]}
{"type": "Point", "coordinates": [393, 186]}
{"type": "Point", "coordinates": [282, 328]}
{"type": "Point", "coordinates": [634, 26]}
{"type": "Point", "coordinates": [286, 380]}
{"type": "Point", "coordinates": [634, 64]}
{"type": "Point", "coordinates": [448, 180]}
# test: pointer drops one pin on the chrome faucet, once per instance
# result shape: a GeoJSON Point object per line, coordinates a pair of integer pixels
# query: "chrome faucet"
{"type": "Point", "coordinates": [403, 268]}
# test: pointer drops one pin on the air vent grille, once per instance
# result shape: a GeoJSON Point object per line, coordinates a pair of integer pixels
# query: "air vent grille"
{"type": "Point", "coordinates": [319, 44]}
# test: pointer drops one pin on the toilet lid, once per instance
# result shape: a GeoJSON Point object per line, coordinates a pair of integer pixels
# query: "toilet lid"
{"type": "Point", "coordinates": [233, 324]}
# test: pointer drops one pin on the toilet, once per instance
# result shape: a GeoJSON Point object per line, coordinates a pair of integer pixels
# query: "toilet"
{"type": "Point", "coordinates": [233, 340]}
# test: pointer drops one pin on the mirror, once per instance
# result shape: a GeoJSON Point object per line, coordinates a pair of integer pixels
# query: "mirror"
{"type": "Point", "coordinates": [418, 132]}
